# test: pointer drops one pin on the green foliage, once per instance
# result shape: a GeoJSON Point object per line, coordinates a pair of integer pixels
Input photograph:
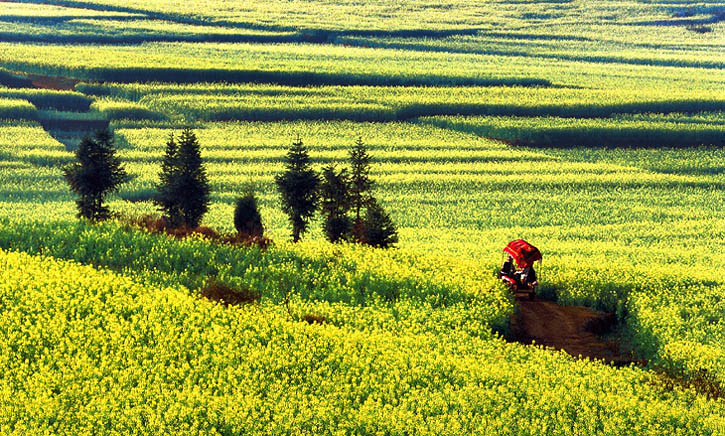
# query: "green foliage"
{"type": "Point", "coordinates": [380, 369]}
{"type": "Point", "coordinates": [316, 270]}
{"type": "Point", "coordinates": [15, 109]}
{"type": "Point", "coordinates": [377, 229]}
{"type": "Point", "coordinates": [635, 231]}
{"type": "Point", "coordinates": [184, 187]}
{"type": "Point", "coordinates": [247, 219]}
{"type": "Point", "coordinates": [360, 182]}
{"type": "Point", "coordinates": [96, 173]}
{"type": "Point", "coordinates": [298, 186]}
{"type": "Point", "coordinates": [336, 202]}
{"type": "Point", "coordinates": [264, 102]}
{"type": "Point", "coordinates": [46, 99]}
{"type": "Point", "coordinates": [123, 110]}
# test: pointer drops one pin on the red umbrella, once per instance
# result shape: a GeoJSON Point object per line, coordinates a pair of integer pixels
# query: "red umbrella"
{"type": "Point", "coordinates": [523, 253]}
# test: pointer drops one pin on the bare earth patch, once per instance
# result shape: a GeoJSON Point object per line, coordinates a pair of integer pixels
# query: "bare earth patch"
{"type": "Point", "coordinates": [574, 329]}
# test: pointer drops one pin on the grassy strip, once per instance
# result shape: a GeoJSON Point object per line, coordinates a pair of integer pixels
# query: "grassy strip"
{"type": "Point", "coordinates": [47, 99]}
{"type": "Point", "coordinates": [568, 132]}
{"type": "Point", "coordinates": [289, 78]}
{"type": "Point", "coordinates": [126, 110]}
{"type": "Point", "coordinates": [16, 109]}
{"type": "Point", "coordinates": [221, 102]}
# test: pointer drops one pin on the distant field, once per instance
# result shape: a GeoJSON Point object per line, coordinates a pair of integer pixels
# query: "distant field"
{"type": "Point", "coordinates": [593, 129]}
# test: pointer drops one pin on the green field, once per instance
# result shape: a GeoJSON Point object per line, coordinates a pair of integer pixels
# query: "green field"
{"type": "Point", "coordinates": [593, 129]}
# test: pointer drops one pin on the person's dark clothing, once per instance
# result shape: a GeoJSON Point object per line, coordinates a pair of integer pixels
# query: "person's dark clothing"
{"type": "Point", "coordinates": [507, 269]}
{"type": "Point", "coordinates": [528, 276]}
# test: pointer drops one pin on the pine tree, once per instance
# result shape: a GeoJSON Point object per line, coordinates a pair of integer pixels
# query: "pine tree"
{"type": "Point", "coordinates": [97, 173]}
{"type": "Point", "coordinates": [184, 188]}
{"type": "Point", "coordinates": [298, 186]}
{"type": "Point", "coordinates": [360, 182]}
{"type": "Point", "coordinates": [247, 219]}
{"type": "Point", "coordinates": [193, 182]}
{"type": "Point", "coordinates": [168, 192]}
{"type": "Point", "coordinates": [379, 229]}
{"type": "Point", "coordinates": [336, 203]}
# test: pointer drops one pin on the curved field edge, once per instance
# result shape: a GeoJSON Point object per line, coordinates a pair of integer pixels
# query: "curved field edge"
{"type": "Point", "coordinates": [92, 350]}
{"type": "Point", "coordinates": [219, 102]}
{"type": "Point", "coordinates": [310, 271]}
{"type": "Point", "coordinates": [293, 64]}
{"type": "Point", "coordinates": [669, 318]}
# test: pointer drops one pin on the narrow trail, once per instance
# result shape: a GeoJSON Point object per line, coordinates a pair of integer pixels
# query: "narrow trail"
{"type": "Point", "coordinates": [577, 330]}
{"type": "Point", "coordinates": [573, 329]}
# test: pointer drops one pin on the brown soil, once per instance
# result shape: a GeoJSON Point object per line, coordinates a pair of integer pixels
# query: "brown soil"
{"type": "Point", "coordinates": [573, 329]}
{"type": "Point", "coordinates": [229, 296]}
{"type": "Point", "coordinates": [312, 318]}
{"type": "Point", "coordinates": [160, 225]}
{"type": "Point", "coordinates": [56, 83]}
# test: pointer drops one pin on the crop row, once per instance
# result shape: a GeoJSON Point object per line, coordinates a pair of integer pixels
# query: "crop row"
{"type": "Point", "coordinates": [218, 102]}
{"type": "Point", "coordinates": [414, 162]}
{"type": "Point", "coordinates": [290, 64]}
{"type": "Point", "coordinates": [571, 132]}
{"type": "Point", "coordinates": [582, 49]}
{"type": "Point", "coordinates": [307, 64]}
{"type": "Point", "coordinates": [127, 30]}
{"type": "Point", "coordinates": [411, 18]}
{"type": "Point", "coordinates": [312, 272]}
{"type": "Point", "coordinates": [16, 109]}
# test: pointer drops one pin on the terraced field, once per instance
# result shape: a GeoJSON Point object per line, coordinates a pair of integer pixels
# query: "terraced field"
{"type": "Point", "coordinates": [593, 129]}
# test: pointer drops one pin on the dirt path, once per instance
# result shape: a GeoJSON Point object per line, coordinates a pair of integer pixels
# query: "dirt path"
{"type": "Point", "coordinates": [574, 329]}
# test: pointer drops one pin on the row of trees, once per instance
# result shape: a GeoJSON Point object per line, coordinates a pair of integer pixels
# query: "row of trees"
{"type": "Point", "coordinates": [337, 193]}
{"type": "Point", "coordinates": [344, 197]}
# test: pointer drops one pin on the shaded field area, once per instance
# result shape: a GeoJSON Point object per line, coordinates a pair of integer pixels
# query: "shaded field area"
{"type": "Point", "coordinates": [703, 129]}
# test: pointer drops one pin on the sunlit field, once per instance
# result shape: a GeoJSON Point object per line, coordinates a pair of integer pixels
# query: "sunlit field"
{"type": "Point", "coordinates": [592, 129]}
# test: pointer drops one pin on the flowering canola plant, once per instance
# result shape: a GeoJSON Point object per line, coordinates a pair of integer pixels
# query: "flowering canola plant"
{"type": "Point", "coordinates": [86, 351]}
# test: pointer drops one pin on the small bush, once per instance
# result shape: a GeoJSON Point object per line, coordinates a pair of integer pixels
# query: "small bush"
{"type": "Point", "coordinates": [338, 228]}
{"type": "Point", "coordinates": [161, 225]}
{"type": "Point", "coordinates": [247, 219]}
{"type": "Point", "coordinates": [377, 229]}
